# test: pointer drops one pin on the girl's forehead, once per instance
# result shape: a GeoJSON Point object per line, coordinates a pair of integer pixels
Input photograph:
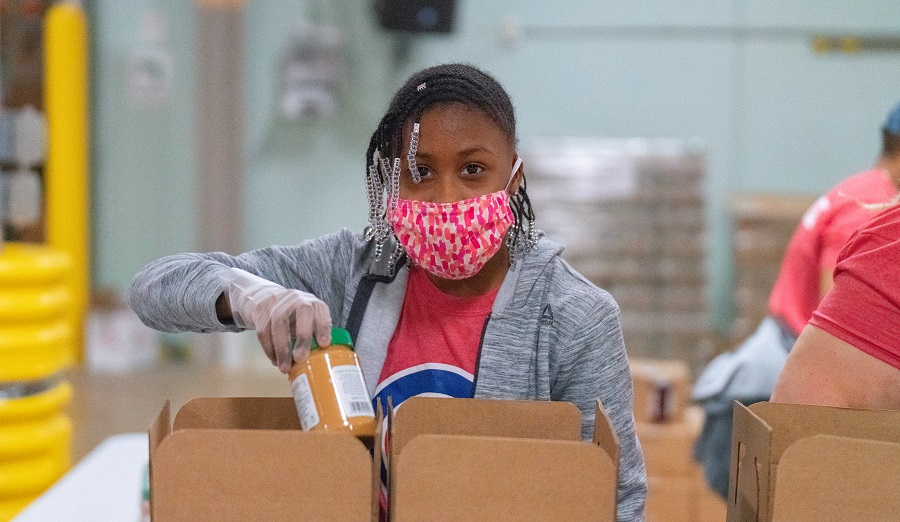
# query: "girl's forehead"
{"type": "Point", "coordinates": [454, 117]}
{"type": "Point", "coordinates": [457, 123]}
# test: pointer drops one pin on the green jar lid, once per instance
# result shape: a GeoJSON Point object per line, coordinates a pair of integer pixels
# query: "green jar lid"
{"type": "Point", "coordinates": [338, 336]}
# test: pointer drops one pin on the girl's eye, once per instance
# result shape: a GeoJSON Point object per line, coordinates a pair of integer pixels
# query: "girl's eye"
{"type": "Point", "coordinates": [423, 172]}
{"type": "Point", "coordinates": [472, 169]}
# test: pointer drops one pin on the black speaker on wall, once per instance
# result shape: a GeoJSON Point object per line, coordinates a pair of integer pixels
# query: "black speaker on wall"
{"type": "Point", "coordinates": [416, 16]}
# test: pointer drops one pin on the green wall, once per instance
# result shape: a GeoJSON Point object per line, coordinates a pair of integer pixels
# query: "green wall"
{"type": "Point", "coordinates": [739, 76]}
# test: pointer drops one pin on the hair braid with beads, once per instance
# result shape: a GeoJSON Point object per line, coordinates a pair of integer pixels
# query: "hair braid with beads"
{"type": "Point", "coordinates": [435, 86]}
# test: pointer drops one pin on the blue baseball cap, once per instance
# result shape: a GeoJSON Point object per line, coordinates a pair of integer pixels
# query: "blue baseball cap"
{"type": "Point", "coordinates": [892, 124]}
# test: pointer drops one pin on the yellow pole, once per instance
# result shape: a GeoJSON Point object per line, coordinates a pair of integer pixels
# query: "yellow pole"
{"type": "Point", "coordinates": [66, 173]}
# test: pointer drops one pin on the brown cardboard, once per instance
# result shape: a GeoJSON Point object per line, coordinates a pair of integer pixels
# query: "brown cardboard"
{"type": "Point", "coordinates": [661, 389]}
{"type": "Point", "coordinates": [782, 468]}
{"type": "Point", "coordinates": [710, 506]}
{"type": "Point", "coordinates": [672, 499]}
{"type": "Point", "coordinates": [471, 459]}
{"type": "Point", "coordinates": [668, 448]}
{"type": "Point", "coordinates": [497, 478]}
{"type": "Point", "coordinates": [676, 487]}
{"type": "Point", "coordinates": [806, 497]}
{"type": "Point", "coordinates": [520, 419]}
{"type": "Point", "coordinates": [605, 436]}
{"type": "Point", "coordinates": [159, 429]}
{"type": "Point", "coordinates": [246, 459]}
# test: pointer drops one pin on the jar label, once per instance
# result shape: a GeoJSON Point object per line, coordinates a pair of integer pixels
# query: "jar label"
{"type": "Point", "coordinates": [303, 399]}
{"type": "Point", "coordinates": [351, 391]}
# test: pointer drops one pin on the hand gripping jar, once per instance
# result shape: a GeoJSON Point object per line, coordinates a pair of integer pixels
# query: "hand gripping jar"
{"type": "Point", "coordinates": [329, 389]}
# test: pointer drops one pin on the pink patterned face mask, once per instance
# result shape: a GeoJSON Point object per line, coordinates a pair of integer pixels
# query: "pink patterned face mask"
{"type": "Point", "coordinates": [453, 240]}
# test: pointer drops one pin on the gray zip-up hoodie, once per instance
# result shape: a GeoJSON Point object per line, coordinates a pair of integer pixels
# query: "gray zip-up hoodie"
{"type": "Point", "coordinates": [551, 335]}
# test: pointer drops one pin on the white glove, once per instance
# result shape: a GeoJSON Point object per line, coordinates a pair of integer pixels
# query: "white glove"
{"type": "Point", "coordinates": [278, 314]}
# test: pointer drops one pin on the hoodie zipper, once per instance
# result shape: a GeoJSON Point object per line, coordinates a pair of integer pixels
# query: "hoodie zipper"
{"type": "Point", "coordinates": [478, 358]}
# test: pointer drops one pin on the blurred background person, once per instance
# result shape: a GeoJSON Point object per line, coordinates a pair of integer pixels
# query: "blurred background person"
{"type": "Point", "coordinates": [849, 354]}
{"type": "Point", "coordinates": [748, 374]}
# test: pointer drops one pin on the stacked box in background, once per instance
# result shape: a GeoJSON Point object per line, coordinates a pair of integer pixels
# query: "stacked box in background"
{"type": "Point", "coordinates": [667, 427]}
{"type": "Point", "coordinates": [763, 225]}
{"type": "Point", "coordinates": [631, 215]}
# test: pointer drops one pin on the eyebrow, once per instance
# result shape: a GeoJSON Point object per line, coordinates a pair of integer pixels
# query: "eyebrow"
{"type": "Point", "coordinates": [463, 153]}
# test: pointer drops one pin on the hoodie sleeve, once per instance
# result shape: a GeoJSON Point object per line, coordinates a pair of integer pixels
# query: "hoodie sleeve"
{"type": "Point", "coordinates": [593, 366]}
{"type": "Point", "coordinates": [178, 293]}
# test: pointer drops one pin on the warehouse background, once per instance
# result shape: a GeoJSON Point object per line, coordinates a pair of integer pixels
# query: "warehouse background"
{"type": "Point", "coordinates": [744, 79]}
{"type": "Point", "coordinates": [671, 148]}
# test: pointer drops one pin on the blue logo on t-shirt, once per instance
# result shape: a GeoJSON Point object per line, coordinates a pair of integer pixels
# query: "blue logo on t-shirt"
{"type": "Point", "coordinates": [430, 380]}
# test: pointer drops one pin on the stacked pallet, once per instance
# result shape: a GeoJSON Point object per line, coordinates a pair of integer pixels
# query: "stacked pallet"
{"type": "Point", "coordinates": [762, 228]}
{"type": "Point", "coordinates": [630, 214]}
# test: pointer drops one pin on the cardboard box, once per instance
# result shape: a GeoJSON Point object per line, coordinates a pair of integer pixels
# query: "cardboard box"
{"type": "Point", "coordinates": [472, 459]}
{"type": "Point", "coordinates": [688, 499]}
{"type": "Point", "coordinates": [248, 459]}
{"type": "Point", "coordinates": [710, 506]}
{"type": "Point", "coordinates": [803, 463]}
{"type": "Point", "coordinates": [661, 389]}
{"type": "Point", "coordinates": [448, 459]}
{"type": "Point", "coordinates": [669, 448]}
{"type": "Point", "coordinates": [672, 499]}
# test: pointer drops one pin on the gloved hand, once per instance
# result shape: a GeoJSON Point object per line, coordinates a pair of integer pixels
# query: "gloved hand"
{"type": "Point", "coordinates": [278, 314]}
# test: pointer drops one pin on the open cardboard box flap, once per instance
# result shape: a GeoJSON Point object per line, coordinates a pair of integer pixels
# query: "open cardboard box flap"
{"type": "Point", "coordinates": [798, 462]}
{"type": "Point", "coordinates": [270, 413]}
{"type": "Point", "coordinates": [522, 419]}
{"type": "Point", "coordinates": [246, 459]}
{"type": "Point", "coordinates": [467, 459]}
{"type": "Point", "coordinates": [824, 477]}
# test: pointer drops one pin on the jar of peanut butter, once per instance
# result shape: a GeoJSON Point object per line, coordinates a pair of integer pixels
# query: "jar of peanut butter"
{"type": "Point", "coordinates": [329, 390]}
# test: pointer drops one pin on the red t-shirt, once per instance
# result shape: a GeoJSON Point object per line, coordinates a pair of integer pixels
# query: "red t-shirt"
{"type": "Point", "coordinates": [435, 346]}
{"type": "Point", "coordinates": [863, 307]}
{"type": "Point", "coordinates": [824, 230]}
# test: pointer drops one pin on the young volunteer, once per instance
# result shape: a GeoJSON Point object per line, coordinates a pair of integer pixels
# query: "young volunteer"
{"type": "Point", "coordinates": [451, 290]}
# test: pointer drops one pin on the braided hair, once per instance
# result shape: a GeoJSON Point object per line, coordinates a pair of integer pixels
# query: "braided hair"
{"type": "Point", "coordinates": [436, 86]}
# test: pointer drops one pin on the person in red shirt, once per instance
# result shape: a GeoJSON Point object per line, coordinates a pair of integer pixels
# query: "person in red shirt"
{"type": "Point", "coordinates": [849, 353]}
{"type": "Point", "coordinates": [749, 373]}
{"type": "Point", "coordinates": [811, 255]}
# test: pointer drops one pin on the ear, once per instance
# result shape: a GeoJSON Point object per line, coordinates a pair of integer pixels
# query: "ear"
{"type": "Point", "coordinates": [517, 178]}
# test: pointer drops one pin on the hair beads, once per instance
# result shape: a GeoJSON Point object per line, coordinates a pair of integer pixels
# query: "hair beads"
{"type": "Point", "coordinates": [411, 155]}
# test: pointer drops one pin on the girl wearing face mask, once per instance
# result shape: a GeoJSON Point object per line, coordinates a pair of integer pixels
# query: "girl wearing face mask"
{"type": "Point", "coordinates": [450, 291]}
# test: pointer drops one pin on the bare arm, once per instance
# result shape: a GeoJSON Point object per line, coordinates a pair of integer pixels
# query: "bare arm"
{"type": "Point", "coordinates": [223, 309]}
{"type": "Point", "coordinates": [822, 369]}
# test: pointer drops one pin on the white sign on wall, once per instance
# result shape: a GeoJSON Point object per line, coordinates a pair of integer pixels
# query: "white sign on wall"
{"type": "Point", "coordinates": [150, 66]}
{"type": "Point", "coordinates": [312, 73]}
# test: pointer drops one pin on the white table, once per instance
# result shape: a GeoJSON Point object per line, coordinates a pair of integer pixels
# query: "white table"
{"type": "Point", "coordinates": [105, 485]}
